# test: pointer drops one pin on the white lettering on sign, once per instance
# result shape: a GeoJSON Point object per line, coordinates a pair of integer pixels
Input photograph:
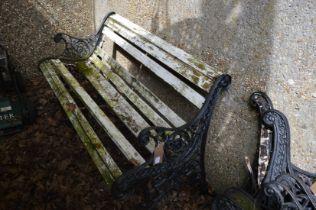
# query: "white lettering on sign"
{"type": "Point", "coordinates": [7, 117]}
{"type": "Point", "coordinates": [5, 109]}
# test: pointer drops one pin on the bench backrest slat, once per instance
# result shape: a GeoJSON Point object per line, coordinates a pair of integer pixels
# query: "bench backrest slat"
{"type": "Point", "coordinates": [178, 53]}
{"type": "Point", "coordinates": [191, 74]}
{"type": "Point", "coordinates": [181, 87]}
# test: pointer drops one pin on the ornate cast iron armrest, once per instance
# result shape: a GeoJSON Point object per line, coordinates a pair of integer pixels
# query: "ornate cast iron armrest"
{"type": "Point", "coordinates": [78, 49]}
{"type": "Point", "coordinates": [162, 134]}
{"type": "Point", "coordinates": [183, 155]}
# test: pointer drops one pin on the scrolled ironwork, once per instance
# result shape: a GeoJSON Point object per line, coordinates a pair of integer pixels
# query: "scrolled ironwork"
{"type": "Point", "coordinates": [78, 49]}
{"type": "Point", "coordinates": [183, 155]}
{"type": "Point", "coordinates": [284, 186]}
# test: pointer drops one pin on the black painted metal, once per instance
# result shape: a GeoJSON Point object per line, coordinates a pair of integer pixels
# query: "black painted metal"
{"type": "Point", "coordinates": [77, 49]}
{"type": "Point", "coordinates": [283, 186]}
{"type": "Point", "coordinates": [183, 156]}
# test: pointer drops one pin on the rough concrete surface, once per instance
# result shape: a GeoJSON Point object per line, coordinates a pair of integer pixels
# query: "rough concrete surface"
{"type": "Point", "coordinates": [27, 27]}
{"type": "Point", "coordinates": [265, 45]}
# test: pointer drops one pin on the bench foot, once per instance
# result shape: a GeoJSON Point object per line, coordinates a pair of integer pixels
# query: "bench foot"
{"type": "Point", "coordinates": [283, 186]}
{"type": "Point", "coordinates": [183, 162]}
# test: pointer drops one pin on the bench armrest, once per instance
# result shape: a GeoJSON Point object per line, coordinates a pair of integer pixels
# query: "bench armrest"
{"type": "Point", "coordinates": [183, 137]}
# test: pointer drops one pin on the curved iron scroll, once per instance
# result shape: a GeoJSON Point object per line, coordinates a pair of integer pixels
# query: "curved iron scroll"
{"type": "Point", "coordinates": [183, 155]}
{"type": "Point", "coordinates": [283, 186]}
{"type": "Point", "coordinates": [77, 49]}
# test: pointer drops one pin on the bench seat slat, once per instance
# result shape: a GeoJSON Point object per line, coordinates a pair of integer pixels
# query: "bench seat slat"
{"type": "Point", "coordinates": [164, 45]}
{"type": "Point", "coordinates": [117, 137]}
{"type": "Point", "coordinates": [100, 156]}
{"type": "Point", "coordinates": [149, 96]}
{"type": "Point", "coordinates": [115, 100]}
{"type": "Point", "coordinates": [123, 88]}
{"type": "Point", "coordinates": [128, 115]}
{"type": "Point", "coordinates": [193, 96]}
{"type": "Point", "coordinates": [191, 74]}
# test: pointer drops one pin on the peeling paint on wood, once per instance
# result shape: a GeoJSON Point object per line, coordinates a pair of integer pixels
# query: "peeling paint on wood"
{"type": "Point", "coordinates": [192, 74]}
{"type": "Point", "coordinates": [159, 105]}
{"type": "Point", "coordinates": [205, 69]}
{"type": "Point", "coordinates": [129, 116]}
{"type": "Point", "coordinates": [100, 156]}
{"type": "Point", "coordinates": [117, 137]}
{"type": "Point", "coordinates": [123, 88]}
{"type": "Point", "coordinates": [193, 96]}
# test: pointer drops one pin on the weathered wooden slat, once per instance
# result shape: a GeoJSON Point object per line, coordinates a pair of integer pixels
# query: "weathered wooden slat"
{"type": "Point", "coordinates": [193, 96]}
{"type": "Point", "coordinates": [159, 105]}
{"type": "Point", "coordinates": [129, 116]}
{"type": "Point", "coordinates": [117, 137]}
{"type": "Point", "coordinates": [176, 52]}
{"type": "Point", "coordinates": [115, 100]}
{"type": "Point", "coordinates": [104, 162]}
{"type": "Point", "coordinates": [193, 75]}
{"type": "Point", "coordinates": [123, 88]}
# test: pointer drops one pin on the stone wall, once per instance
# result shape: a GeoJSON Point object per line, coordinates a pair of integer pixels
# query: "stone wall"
{"type": "Point", "coordinates": [265, 45]}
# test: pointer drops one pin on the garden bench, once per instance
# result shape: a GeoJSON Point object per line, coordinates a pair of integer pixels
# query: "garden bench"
{"type": "Point", "coordinates": [142, 112]}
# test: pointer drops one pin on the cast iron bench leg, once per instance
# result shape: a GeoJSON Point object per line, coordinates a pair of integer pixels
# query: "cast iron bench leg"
{"type": "Point", "coordinates": [183, 156]}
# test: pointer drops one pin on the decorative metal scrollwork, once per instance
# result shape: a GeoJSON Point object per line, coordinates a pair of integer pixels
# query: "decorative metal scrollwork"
{"type": "Point", "coordinates": [183, 155]}
{"type": "Point", "coordinates": [77, 49]}
{"type": "Point", "coordinates": [283, 186]}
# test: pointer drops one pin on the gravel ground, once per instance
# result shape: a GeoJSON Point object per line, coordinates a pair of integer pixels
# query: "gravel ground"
{"type": "Point", "coordinates": [27, 27]}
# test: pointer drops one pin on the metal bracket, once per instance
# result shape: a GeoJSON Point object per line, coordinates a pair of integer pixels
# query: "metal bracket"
{"type": "Point", "coordinates": [183, 156]}
{"type": "Point", "coordinates": [282, 185]}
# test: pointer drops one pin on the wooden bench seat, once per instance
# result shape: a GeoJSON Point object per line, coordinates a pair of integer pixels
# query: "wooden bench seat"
{"type": "Point", "coordinates": [141, 111]}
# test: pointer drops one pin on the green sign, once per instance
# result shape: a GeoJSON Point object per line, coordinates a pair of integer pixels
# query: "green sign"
{"type": "Point", "coordinates": [10, 114]}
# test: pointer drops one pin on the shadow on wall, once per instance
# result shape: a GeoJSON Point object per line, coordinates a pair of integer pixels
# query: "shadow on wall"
{"type": "Point", "coordinates": [239, 32]}
{"type": "Point", "coordinates": [27, 28]}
